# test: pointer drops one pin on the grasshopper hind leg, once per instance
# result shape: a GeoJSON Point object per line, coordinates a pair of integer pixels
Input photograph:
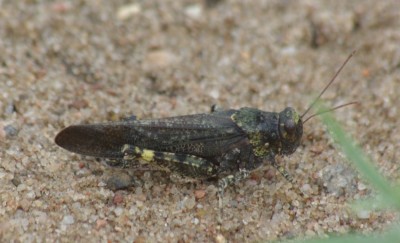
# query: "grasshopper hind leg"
{"type": "Point", "coordinates": [115, 162]}
{"type": "Point", "coordinates": [183, 164]}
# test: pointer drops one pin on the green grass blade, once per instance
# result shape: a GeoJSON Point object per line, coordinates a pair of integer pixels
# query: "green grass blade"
{"type": "Point", "coordinates": [390, 236]}
{"type": "Point", "coordinates": [362, 163]}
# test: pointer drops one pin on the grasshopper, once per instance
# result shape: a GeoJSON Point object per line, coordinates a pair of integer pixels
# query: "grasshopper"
{"type": "Point", "coordinates": [224, 144]}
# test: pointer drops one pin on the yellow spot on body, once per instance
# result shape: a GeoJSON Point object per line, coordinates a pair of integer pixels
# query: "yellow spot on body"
{"type": "Point", "coordinates": [234, 119]}
{"type": "Point", "coordinates": [296, 117]}
{"type": "Point", "coordinates": [147, 155]}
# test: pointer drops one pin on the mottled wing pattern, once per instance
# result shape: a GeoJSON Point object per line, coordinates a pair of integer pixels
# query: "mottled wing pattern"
{"type": "Point", "coordinates": [203, 135]}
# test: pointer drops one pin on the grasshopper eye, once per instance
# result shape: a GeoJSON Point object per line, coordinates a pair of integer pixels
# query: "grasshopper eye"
{"type": "Point", "coordinates": [290, 126]}
{"type": "Point", "coordinates": [290, 130]}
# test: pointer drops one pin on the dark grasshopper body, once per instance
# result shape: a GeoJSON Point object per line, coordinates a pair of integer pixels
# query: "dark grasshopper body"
{"type": "Point", "coordinates": [226, 144]}
{"type": "Point", "coordinates": [223, 144]}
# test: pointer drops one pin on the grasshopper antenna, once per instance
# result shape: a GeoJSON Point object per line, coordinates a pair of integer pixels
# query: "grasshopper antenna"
{"type": "Point", "coordinates": [332, 109]}
{"type": "Point", "coordinates": [326, 87]}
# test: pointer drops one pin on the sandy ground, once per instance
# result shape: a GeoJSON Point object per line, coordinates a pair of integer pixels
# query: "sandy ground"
{"type": "Point", "coordinates": [65, 63]}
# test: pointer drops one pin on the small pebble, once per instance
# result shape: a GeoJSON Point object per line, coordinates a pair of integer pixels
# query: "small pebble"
{"type": "Point", "coordinates": [31, 194]}
{"type": "Point", "coordinates": [118, 198]}
{"type": "Point", "coordinates": [100, 223]}
{"type": "Point", "coordinates": [306, 189]}
{"type": "Point", "coordinates": [10, 108]}
{"type": "Point", "coordinates": [128, 11]}
{"type": "Point", "coordinates": [212, 3]}
{"type": "Point", "coordinates": [220, 239]}
{"type": "Point", "coordinates": [10, 131]}
{"type": "Point", "coordinates": [25, 204]}
{"type": "Point", "coordinates": [199, 194]}
{"type": "Point", "coordinates": [190, 203]}
{"type": "Point", "coordinates": [361, 186]}
{"type": "Point", "coordinates": [119, 211]}
{"type": "Point", "coordinates": [363, 214]}
{"type": "Point", "coordinates": [119, 180]}
{"type": "Point", "coordinates": [195, 221]}
{"type": "Point", "coordinates": [338, 179]}
{"type": "Point", "coordinates": [81, 165]}
{"type": "Point", "coordinates": [68, 219]}
{"type": "Point", "coordinates": [159, 59]}
{"type": "Point", "coordinates": [16, 181]}
{"type": "Point", "coordinates": [61, 7]}
{"type": "Point", "coordinates": [194, 11]}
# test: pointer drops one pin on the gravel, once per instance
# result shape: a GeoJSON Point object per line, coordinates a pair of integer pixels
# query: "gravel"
{"type": "Point", "coordinates": [66, 63]}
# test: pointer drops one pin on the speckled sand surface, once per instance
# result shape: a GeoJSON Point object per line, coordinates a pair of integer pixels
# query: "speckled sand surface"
{"type": "Point", "coordinates": [63, 63]}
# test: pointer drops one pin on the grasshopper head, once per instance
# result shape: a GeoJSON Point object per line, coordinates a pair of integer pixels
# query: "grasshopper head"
{"type": "Point", "coordinates": [290, 130]}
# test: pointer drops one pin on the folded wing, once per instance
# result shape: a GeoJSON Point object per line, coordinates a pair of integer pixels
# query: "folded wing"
{"type": "Point", "coordinates": [204, 135]}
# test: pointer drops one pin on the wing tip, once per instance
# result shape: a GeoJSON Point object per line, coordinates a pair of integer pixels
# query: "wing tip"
{"type": "Point", "coordinates": [88, 140]}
